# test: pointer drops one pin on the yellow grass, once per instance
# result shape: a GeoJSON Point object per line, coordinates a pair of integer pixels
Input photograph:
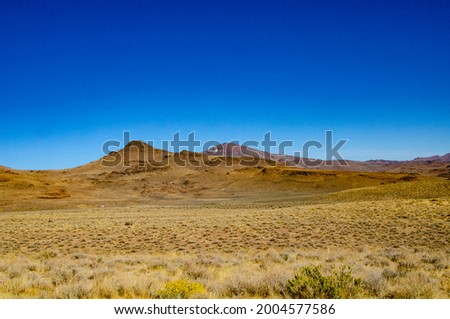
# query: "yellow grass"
{"type": "Point", "coordinates": [397, 246]}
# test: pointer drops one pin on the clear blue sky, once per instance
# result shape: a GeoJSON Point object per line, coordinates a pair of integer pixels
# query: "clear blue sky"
{"type": "Point", "coordinates": [74, 74]}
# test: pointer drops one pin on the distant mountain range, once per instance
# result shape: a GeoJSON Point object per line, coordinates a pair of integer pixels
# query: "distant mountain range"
{"type": "Point", "coordinates": [236, 150]}
{"type": "Point", "coordinates": [233, 152]}
{"type": "Point", "coordinates": [431, 159]}
{"type": "Point", "coordinates": [436, 158]}
{"type": "Point", "coordinates": [141, 174]}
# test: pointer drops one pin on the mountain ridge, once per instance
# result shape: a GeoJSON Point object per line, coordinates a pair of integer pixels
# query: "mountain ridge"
{"type": "Point", "coordinates": [139, 174]}
{"type": "Point", "coordinates": [234, 150]}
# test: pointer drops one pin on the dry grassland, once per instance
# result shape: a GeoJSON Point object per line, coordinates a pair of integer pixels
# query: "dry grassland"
{"type": "Point", "coordinates": [395, 238]}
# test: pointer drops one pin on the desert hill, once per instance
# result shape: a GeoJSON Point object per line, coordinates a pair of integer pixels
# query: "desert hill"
{"type": "Point", "coordinates": [139, 174]}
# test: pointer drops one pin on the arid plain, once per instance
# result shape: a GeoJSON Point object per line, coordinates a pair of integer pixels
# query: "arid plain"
{"type": "Point", "coordinates": [221, 227]}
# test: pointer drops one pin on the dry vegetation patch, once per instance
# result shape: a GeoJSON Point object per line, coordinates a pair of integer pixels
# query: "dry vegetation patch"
{"type": "Point", "coordinates": [398, 248]}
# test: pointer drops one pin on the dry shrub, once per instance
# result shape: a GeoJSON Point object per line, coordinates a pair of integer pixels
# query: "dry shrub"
{"type": "Point", "coordinates": [310, 283]}
{"type": "Point", "coordinates": [181, 289]}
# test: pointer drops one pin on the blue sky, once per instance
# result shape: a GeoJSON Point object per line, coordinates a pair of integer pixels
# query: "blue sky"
{"type": "Point", "coordinates": [74, 74]}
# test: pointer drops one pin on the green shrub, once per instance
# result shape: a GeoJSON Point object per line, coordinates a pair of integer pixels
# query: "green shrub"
{"type": "Point", "coordinates": [309, 283]}
{"type": "Point", "coordinates": [181, 289]}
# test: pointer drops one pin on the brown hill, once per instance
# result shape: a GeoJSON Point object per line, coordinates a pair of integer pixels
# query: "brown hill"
{"type": "Point", "coordinates": [140, 174]}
